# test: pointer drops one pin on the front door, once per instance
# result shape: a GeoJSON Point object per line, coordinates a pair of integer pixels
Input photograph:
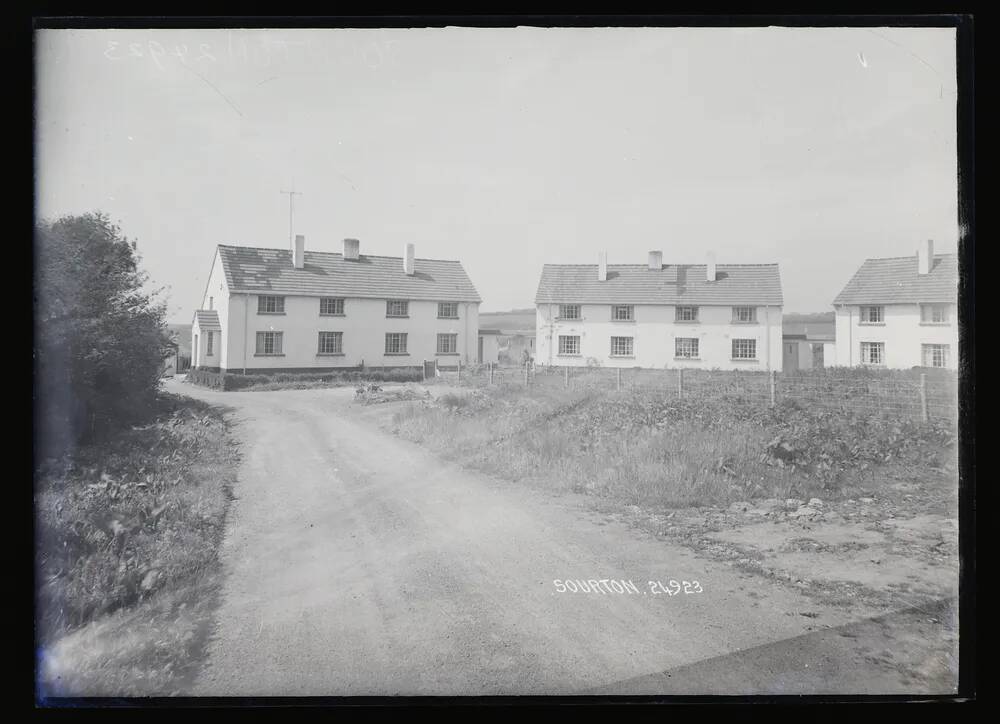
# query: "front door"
{"type": "Point", "coordinates": [790, 363]}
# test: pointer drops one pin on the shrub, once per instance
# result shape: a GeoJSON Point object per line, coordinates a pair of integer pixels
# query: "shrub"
{"type": "Point", "coordinates": [100, 338]}
{"type": "Point", "coordinates": [292, 380]}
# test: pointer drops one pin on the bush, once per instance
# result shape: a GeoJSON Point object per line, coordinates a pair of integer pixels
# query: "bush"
{"type": "Point", "coordinates": [100, 338]}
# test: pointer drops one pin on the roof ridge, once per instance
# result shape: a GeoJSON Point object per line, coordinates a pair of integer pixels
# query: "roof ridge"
{"type": "Point", "coordinates": [334, 253]}
{"type": "Point", "coordinates": [771, 263]}
{"type": "Point", "coordinates": [909, 256]}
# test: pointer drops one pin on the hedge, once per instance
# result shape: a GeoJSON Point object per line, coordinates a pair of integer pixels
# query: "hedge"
{"type": "Point", "coordinates": [230, 381]}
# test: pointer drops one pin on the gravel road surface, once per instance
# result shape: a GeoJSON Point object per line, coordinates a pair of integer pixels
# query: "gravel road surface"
{"type": "Point", "coordinates": [361, 564]}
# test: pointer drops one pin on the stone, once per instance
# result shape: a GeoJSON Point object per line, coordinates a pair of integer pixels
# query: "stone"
{"type": "Point", "coordinates": [815, 503]}
{"type": "Point", "coordinates": [804, 512]}
{"type": "Point", "coordinates": [793, 503]}
{"type": "Point", "coordinates": [868, 500]}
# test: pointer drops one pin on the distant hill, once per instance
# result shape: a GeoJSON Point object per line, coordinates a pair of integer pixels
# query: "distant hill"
{"type": "Point", "coordinates": [514, 319]}
{"type": "Point", "coordinates": [811, 318]}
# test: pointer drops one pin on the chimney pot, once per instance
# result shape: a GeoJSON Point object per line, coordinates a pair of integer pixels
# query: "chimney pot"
{"type": "Point", "coordinates": [656, 260]}
{"type": "Point", "coordinates": [710, 267]}
{"type": "Point", "coordinates": [925, 257]}
{"type": "Point", "coordinates": [352, 249]}
{"type": "Point", "coordinates": [602, 266]}
{"type": "Point", "coordinates": [408, 260]}
{"type": "Point", "coordinates": [299, 254]}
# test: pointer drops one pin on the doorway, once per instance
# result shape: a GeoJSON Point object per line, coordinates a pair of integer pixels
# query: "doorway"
{"type": "Point", "coordinates": [790, 362]}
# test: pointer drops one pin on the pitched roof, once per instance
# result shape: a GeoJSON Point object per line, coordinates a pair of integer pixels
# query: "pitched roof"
{"type": "Point", "coordinates": [896, 281]}
{"type": "Point", "coordinates": [267, 271]}
{"type": "Point", "coordinates": [208, 319]}
{"type": "Point", "coordinates": [673, 284]}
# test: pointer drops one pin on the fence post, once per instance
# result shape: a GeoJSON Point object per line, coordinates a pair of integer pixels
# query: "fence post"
{"type": "Point", "coordinates": [459, 369]}
{"type": "Point", "coordinates": [525, 374]}
{"type": "Point", "coordinates": [619, 383]}
{"type": "Point", "coordinates": [680, 383]}
{"type": "Point", "coordinates": [772, 375]}
{"type": "Point", "coordinates": [491, 373]}
{"type": "Point", "coordinates": [423, 369]}
{"type": "Point", "coordinates": [566, 376]}
{"type": "Point", "coordinates": [923, 397]}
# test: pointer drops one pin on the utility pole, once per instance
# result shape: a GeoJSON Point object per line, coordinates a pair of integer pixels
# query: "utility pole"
{"type": "Point", "coordinates": [291, 211]}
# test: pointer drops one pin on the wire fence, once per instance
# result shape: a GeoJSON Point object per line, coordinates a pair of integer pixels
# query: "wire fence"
{"type": "Point", "coordinates": [919, 394]}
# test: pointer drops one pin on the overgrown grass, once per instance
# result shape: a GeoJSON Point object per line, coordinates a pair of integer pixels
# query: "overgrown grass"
{"type": "Point", "coordinates": [132, 527]}
{"type": "Point", "coordinates": [299, 380]}
{"type": "Point", "coordinates": [656, 450]}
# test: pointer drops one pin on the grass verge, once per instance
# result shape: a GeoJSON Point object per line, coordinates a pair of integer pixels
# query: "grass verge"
{"type": "Point", "coordinates": [127, 541]}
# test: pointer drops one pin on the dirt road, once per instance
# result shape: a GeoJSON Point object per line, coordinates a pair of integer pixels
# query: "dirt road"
{"type": "Point", "coordinates": [360, 564]}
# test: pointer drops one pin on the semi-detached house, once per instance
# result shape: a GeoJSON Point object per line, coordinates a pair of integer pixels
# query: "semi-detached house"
{"type": "Point", "coordinates": [296, 310]}
{"type": "Point", "coordinates": [657, 315]}
{"type": "Point", "coordinates": [900, 312]}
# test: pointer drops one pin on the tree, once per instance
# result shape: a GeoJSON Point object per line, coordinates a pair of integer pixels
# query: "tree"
{"type": "Point", "coordinates": [100, 338]}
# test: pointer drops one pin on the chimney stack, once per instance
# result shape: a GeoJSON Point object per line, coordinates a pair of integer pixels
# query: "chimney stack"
{"type": "Point", "coordinates": [352, 249]}
{"type": "Point", "coordinates": [408, 259]}
{"type": "Point", "coordinates": [299, 254]}
{"type": "Point", "coordinates": [602, 266]}
{"type": "Point", "coordinates": [656, 260]}
{"type": "Point", "coordinates": [925, 257]}
{"type": "Point", "coordinates": [710, 267]}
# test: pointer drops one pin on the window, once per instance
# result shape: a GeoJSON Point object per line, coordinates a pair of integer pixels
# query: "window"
{"type": "Point", "coordinates": [397, 308]}
{"type": "Point", "coordinates": [569, 344]}
{"type": "Point", "coordinates": [447, 344]}
{"type": "Point", "coordinates": [331, 306]}
{"type": "Point", "coordinates": [744, 349]}
{"type": "Point", "coordinates": [935, 355]}
{"type": "Point", "coordinates": [621, 346]}
{"type": "Point", "coordinates": [873, 353]}
{"type": "Point", "coordinates": [270, 305]}
{"type": "Point", "coordinates": [872, 315]}
{"type": "Point", "coordinates": [623, 313]}
{"type": "Point", "coordinates": [686, 314]}
{"type": "Point", "coordinates": [934, 313]}
{"type": "Point", "coordinates": [686, 347]}
{"type": "Point", "coordinates": [745, 315]}
{"type": "Point", "coordinates": [448, 310]}
{"type": "Point", "coordinates": [211, 302]}
{"type": "Point", "coordinates": [209, 344]}
{"type": "Point", "coordinates": [395, 343]}
{"type": "Point", "coordinates": [331, 343]}
{"type": "Point", "coordinates": [569, 311]}
{"type": "Point", "coordinates": [269, 343]}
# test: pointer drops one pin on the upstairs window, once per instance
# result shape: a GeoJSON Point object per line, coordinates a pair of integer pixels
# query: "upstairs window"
{"type": "Point", "coordinates": [397, 308]}
{"type": "Point", "coordinates": [331, 307]}
{"type": "Point", "coordinates": [872, 315]}
{"type": "Point", "coordinates": [744, 349]}
{"type": "Point", "coordinates": [623, 313]}
{"type": "Point", "coordinates": [745, 315]}
{"type": "Point", "coordinates": [934, 313]}
{"type": "Point", "coordinates": [447, 310]}
{"type": "Point", "coordinates": [686, 314]}
{"type": "Point", "coordinates": [569, 311]}
{"type": "Point", "coordinates": [270, 305]}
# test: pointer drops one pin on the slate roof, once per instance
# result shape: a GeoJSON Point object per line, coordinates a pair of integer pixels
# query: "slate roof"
{"type": "Point", "coordinates": [208, 319]}
{"type": "Point", "coordinates": [895, 281]}
{"type": "Point", "coordinates": [270, 271]}
{"type": "Point", "coordinates": [672, 284]}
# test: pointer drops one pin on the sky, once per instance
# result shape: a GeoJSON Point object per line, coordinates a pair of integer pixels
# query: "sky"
{"type": "Point", "coordinates": [507, 148]}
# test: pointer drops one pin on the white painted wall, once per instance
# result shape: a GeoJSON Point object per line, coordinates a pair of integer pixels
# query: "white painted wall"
{"type": "Point", "coordinates": [491, 348]}
{"type": "Point", "coordinates": [654, 331]}
{"type": "Point", "coordinates": [364, 325]}
{"type": "Point", "coordinates": [902, 332]}
{"type": "Point", "coordinates": [216, 297]}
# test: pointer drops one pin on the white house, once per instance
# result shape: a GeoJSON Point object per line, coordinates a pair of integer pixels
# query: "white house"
{"type": "Point", "coordinates": [900, 312]}
{"type": "Point", "coordinates": [297, 310]}
{"type": "Point", "coordinates": [705, 316]}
